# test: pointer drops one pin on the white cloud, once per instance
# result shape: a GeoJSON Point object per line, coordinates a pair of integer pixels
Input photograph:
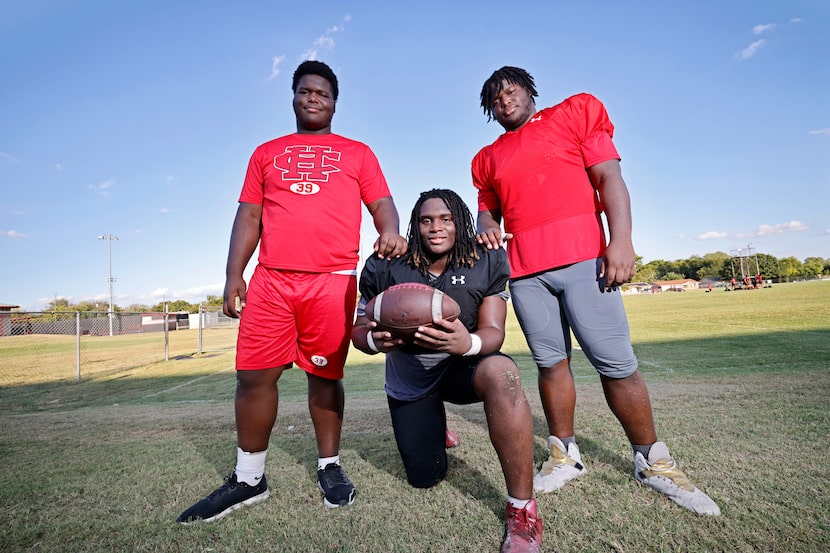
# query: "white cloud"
{"type": "Point", "coordinates": [165, 210]}
{"type": "Point", "coordinates": [275, 66]}
{"type": "Point", "coordinates": [712, 234]}
{"type": "Point", "coordinates": [202, 291]}
{"type": "Point", "coordinates": [760, 29]}
{"type": "Point", "coordinates": [194, 294]}
{"type": "Point", "coordinates": [750, 50]}
{"type": "Point", "coordinates": [12, 234]}
{"type": "Point", "coordinates": [324, 42]}
{"type": "Point", "coordinates": [6, 157]}
{"type": "Point", "coordinates": [102, 188]}
{"type": "Point", "coordinates": [158, 293]}
{"type": "Point", "coordinates": [770, 230]}
{"type": "Point", "coordinates": [825, 131]}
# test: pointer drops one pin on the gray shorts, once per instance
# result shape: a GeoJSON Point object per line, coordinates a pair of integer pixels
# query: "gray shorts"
{"type": "Point", "coordinates": [552, 304]}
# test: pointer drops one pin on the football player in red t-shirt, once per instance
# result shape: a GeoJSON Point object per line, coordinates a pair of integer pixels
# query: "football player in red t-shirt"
{"type": "Point", "coordinates": [301, 203]}
{"type": "Point", "coordinates": [551, 175]}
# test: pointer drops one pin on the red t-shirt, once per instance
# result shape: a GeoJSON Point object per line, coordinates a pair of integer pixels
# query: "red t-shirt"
{"type": "Point", "coordinates": [537, 177]}
{"type": "Point", "coordinates": [311, 187]}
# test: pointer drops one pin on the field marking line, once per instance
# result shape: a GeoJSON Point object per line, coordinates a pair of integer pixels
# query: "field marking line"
{"type": "Point", "coordinates": [188, 383]}
{"type": "Point", "coordinates": [655, 365]}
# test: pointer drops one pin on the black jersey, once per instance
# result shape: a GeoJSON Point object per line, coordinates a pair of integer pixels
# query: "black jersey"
{"type": "Point", "coordinates": [412, 372]}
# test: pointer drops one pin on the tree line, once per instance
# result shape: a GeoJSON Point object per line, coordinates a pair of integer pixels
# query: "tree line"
{"type": "Point", "coordinates": [90, 308]}
{"type": "Point", "coordinates": [718, 265]}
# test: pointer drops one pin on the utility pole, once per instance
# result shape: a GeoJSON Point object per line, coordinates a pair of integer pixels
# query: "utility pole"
{"type": "Point", "coordinates": [109, 238]}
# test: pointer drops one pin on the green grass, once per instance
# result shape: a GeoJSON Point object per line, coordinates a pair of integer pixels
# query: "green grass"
{"type": "Point", "coordinates": [740, 384]}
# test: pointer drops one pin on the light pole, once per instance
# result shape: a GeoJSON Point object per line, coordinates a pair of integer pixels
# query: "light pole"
{"type": "Point", "coordinates": [109, 238]}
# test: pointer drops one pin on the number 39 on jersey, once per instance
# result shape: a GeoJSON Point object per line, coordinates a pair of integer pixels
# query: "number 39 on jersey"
{"type": "Point", "coordinates": [305, 188]}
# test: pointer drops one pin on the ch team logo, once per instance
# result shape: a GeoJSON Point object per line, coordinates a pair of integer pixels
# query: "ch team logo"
{"type": "Point", "coordinates": [458, 280]}
{"type": "Point", "coordinates": [306, 167]}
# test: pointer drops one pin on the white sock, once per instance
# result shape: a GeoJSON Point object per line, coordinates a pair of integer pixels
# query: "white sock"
{"type": "Point", "coordinates": [517, 503]}
{"type": "Point", "coordinates": [250, 466]}
{"type": "Point", "coordinates": [322, 462]}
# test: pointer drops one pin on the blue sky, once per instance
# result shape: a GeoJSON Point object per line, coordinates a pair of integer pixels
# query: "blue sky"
{"type": "Point", "coordinates": [137, 119]}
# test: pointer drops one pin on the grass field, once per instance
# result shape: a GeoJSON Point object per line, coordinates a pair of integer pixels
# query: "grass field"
{"type": "Point", "coordinates": [740, 383]}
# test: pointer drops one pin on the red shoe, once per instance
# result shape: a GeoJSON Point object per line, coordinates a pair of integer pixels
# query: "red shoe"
{"type": "Point", "coordinates": [452, 439]}
{"type": "Point", "coordinates": [524, 530]}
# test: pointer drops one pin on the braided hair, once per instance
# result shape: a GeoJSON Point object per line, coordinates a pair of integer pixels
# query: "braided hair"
{"type": "Point", "coordinates": [312, 67]}
{"type": "Point", "coordinates": [494, 85]}
{"type": "Point", "coordinates": [465, 251]}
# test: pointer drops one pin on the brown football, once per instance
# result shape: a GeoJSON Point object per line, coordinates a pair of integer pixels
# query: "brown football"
{"type": "Point", "coordinates": [402, 308]}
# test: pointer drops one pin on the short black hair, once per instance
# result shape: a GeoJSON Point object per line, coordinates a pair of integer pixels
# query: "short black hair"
{"type": "Point", "coordinates": [313, 67]}
{"type": "Point", "coordinates": [465, 250]}
{"type": "Point", "coordinates": [493, 86]}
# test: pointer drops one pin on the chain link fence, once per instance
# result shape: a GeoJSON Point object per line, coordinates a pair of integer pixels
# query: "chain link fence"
{"type": "Point", "coordinates": [37, 347]}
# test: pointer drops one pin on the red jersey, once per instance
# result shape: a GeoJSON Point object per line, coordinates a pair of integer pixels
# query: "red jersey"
{"type": "Point", "coordinates": [311, 187]}
{"type": "Point", "coordinates": [537, 177]}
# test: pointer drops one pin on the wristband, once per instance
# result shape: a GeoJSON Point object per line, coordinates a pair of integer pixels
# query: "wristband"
{"type": "Point", "coordinates": [371, 342]}
{"type": "Point", "coordinates": [475, 345]}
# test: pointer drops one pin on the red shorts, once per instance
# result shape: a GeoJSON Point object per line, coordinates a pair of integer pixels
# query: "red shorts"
{"type": "Point", "coordinates": [296, 317]}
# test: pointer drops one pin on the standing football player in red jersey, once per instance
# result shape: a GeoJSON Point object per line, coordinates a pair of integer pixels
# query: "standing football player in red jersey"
{"type": "Point", "coordinates": [551, 175]}
{"type": "Point", "coordinates": [456, 361]}
{"type": "Point", "coordinates": [301, 202]}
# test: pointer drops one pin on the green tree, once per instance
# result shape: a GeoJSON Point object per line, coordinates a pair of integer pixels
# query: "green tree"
{"type": "Point", "coordinates": [768, 266]}
{"type": "Point", "coordinates": [175, 306]}
{"type": "Point", "coordinates": [658, 269]}
{"type": "Point", "coordinates": [712, 265]}
{"type": "Point", "coordinates": [215, 301]}
{"type": "Point", "coordinates": [59, 304]}
{"type": "Point", "coordinates": [813, 267]}
{"type": "Point", "coordinates": [791, 268]}
{"type": "Point", "coordinates": [689, 267]}
{"type": "Point", "coordinates": [643, 272]}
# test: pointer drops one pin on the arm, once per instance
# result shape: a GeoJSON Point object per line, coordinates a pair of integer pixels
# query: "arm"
{"type": "Point", "coordinates": [390, 243]}
{"type": "Point", "coordinates": [618, 264]}
{"type": "Point", "coordinates": [244, 238]}
{"type": "Point", "coordinates": [488, 227]}
{"type": "Point", "coordinates": [453, 337]}
{"type": "Point", "coordinates": [382, 339]}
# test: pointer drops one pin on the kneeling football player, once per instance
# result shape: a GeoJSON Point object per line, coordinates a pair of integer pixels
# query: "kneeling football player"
{"type": "Point", "coordinates": [456, 361]}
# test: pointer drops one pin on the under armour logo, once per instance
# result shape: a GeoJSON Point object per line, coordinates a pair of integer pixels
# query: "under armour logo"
{"type": "Point", "coordinates": [458, 280]}
{"type": "Point", "coordinates": [537, 118]}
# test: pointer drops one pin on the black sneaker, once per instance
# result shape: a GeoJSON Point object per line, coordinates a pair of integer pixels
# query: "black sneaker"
{"type": "Point", "coordinates": [336, 488]}
{"type": "Point", "coordinates": [230, 496]}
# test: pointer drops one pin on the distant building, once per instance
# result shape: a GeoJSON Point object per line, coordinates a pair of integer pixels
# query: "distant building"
{"type": "Point", "coordinates": [636, 288]}
{"type": "Point", "coordinates": [154, 322]}
{"type": "Point", "coordinates": [6, 318]}
{"type": "Point", "coordinates": [675, 285]}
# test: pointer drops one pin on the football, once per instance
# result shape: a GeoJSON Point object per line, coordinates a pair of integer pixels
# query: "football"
{"type": "Point", "coordinates": [402, 308]}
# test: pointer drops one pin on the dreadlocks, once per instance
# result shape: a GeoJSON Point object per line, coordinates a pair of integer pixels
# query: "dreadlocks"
{"type": "Point", "coordinates": [312, 67]}
{"type": "Point", "coordinates": [494, 85]}
{"type": "Point", "coordinates": [464, 253]}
